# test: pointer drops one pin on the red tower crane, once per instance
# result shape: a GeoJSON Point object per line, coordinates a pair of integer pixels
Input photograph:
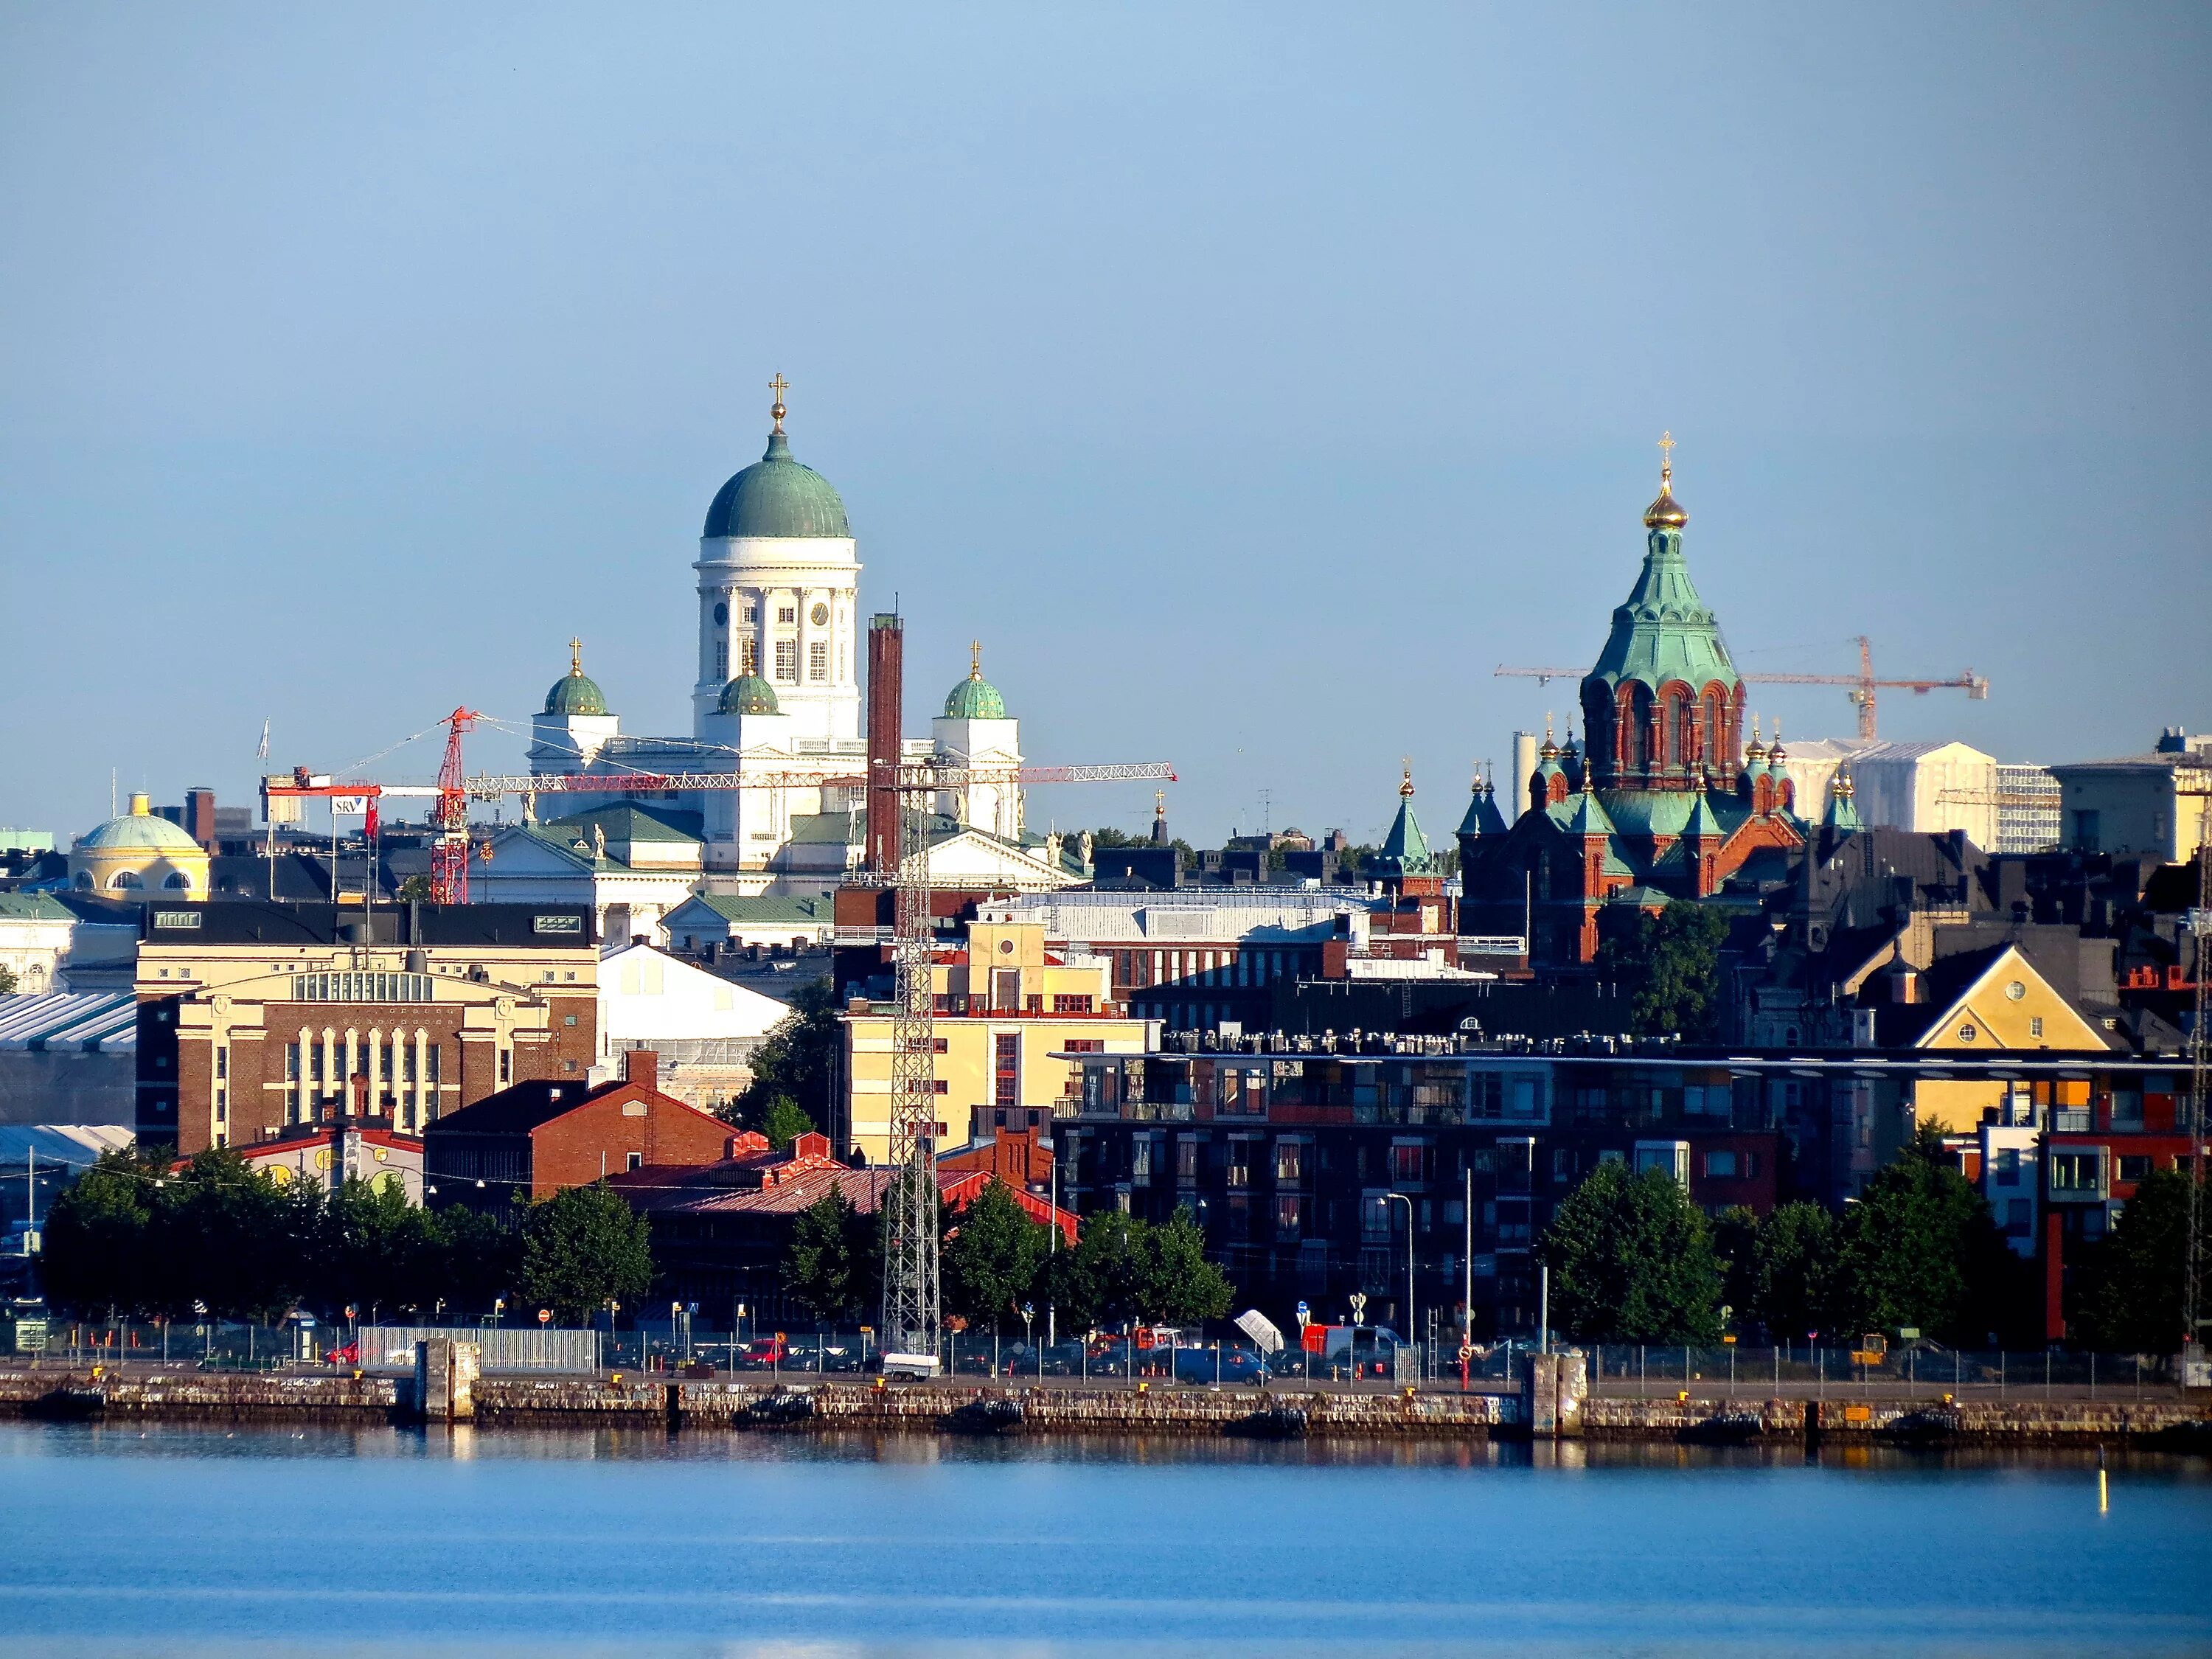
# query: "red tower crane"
{"type": "Point", "coordinates": [449, 855]}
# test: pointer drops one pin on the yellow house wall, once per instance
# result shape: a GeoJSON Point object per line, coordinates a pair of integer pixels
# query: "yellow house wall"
{"type": "Point", "coordinates": [967, 1067]}
{"type": "Point", "coordinates": [1997, 1022]}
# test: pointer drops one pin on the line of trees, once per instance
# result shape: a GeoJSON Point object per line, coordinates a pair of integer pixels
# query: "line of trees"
{"type": "Point", "coordinates": [995, 1258]}
{"type": "Point", "coordinates": [1634, 1260]}
{"type": "Point", "coordinates": [134, 1236]}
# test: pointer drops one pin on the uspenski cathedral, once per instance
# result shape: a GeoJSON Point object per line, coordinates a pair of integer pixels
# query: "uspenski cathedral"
{"type": "Point", "coordinates": [1662, 800]}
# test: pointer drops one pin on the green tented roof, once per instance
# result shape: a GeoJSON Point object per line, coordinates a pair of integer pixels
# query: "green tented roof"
{"type": "Point", "coordinates": [1664, 633]}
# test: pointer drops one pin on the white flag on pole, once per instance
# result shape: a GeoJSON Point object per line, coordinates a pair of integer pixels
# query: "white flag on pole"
{"type": "Point", "coordinates": [263, 751]}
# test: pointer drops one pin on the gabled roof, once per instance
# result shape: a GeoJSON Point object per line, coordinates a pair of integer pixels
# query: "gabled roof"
{"type": "Point", "coordinates": [627, 821]}
{"type": "Point", "coordinates": [731, 908]}
{"type": "Point", "coordinates": [1582, 815]}
{"type": "Point", "coordinates": [33, 907]}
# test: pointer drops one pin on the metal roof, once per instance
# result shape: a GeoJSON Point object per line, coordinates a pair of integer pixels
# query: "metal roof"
{"type": "Point", "coordinates": [97, 1021]}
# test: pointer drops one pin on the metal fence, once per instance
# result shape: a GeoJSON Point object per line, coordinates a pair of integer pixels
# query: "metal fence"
{"type": "Point", "coordinates": [1920, 1371]}
{"type": "Point", "coordinates": [503, 1351]}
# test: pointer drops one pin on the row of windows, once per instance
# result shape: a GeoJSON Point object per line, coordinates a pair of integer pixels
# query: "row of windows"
{"type": "Point", "coordinates": [1209, 968]}
{"type": "Point", "coordinates": [129, 881]}
{"type": "Point", "coordinates": [362, 987]}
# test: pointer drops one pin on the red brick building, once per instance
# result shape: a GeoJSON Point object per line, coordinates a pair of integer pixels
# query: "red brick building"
{"type": "Point", "coordinates": [537, 1138]}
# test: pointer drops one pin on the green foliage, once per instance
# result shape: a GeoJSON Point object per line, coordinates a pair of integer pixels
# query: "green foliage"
{"type": "Point", "coordinates": [2127, 1292]}
{"type": "Point", "coordinates": [832, 1263]}
{"type": "Point", "coordinates": [135, 1236]}
{"type": "Point", "coordinates": [1919, 1248]}
{"type": "Point", "coordinates": [783, 1122]}
{"type": "Point", "coordinates": [96, 1236]}
{"type": "Point", "coordinates": [7, 980]}
{"type": "Point", "coordinates": [579, 1248]}
{"type": "Point", "coordinates": [1794, 1267]}
{"type": "Point", "coordinates": [796, 1063]}
{"type": "Point", "coordinates": [1181, 1286]}
{"type": "Point", "coordinates": [993, 1258]}
{"type": "Point", "coordinates": [415, 889]}
{"type": "Point", "coordinates": [1125, 1270]}
{"type": "Point", "coordinates": [1633, 1261]}
{"type": "Point", "coordinates": [1735, 1246]}
{"type": "Point", "coordinates": [1672, 961]}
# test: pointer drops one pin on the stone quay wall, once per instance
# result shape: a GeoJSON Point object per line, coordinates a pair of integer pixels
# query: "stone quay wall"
{"type": "Point", "coordinates": [720, 1405]}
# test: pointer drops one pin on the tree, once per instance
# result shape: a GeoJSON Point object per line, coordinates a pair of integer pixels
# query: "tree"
{"type": "Point", "coordinates": [796, 1061]}
{"type": "Point", "coordinates": [1794, 1270]}
{"type": "Point", "coordinates": [783, 1122]}
{"type": "Point", "coordinates": [830, 1265]}
{"type": "Point", "coordinates": [478, 1258]}
{"type": "Point", "coordinates": [1735, 1246]}
{"type": "Point", "coordinates": [1919, 1248]}
{"type": "Point", "coordinates": [96, 1236]}
{"type": "Point", "coordinates": [1632, 1260]}
{"type": "Point", "coordinates": [231, 1237]}
{"type": "Point", "coordinates": [7, 980]}
{"type": "Point", "coordinates": [993, 1257]}
{"type": "Point", "coordinates": [580, 1247]}
{"type": "Point", "coordinates": [1181, 1287]}
{"type": "Point", "coordinates": [1102, 1280]}
{"type": "Point", "coordinates": [1672, 961]}
{"type": "Point", "coordinates": [2128, 1291]}
{"type": "Point", "coordinates": [416, 889]}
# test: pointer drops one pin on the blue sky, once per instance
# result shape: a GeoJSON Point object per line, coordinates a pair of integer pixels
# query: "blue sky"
{"type": "Point", "coordinates": [1251, 380]}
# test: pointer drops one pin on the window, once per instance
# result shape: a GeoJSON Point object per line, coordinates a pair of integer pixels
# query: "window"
{"type": "Point", "coordinates": [1289, 1162]}
{"type": "Point", "coordinates": [751, 612]}
{"type": "Point", "coordinates": [1186, 1158]}
{"type": "Point", "coordinates": [722, 613]}
{"type": "Point", "coordinates": [2088, 829]}
{"type": "Point", "coordinates": [2035, 1025]}
{"type": "Point", "coordinates": [507, 1065]}
{"type": "Point", "coordinates": [1085, 1045]}
{"type": "Point", "coordinates": [938, 1087]}
{"type": "Point", "coordinates": [1063, 1004]}
{"type": "Point", "coordinates": [1289, 1216]}
{"type": "Point", "coordinates": [1141, 1159]}
{"type": "Point", "coordinates": [2074, 1172]}
{"type": "Point", "coordinates": [721, 659]}
{"type": "Point", "coordinates": [1409, 1163]}
{"type": "Point", "coordinates": [1720, 1166]}
{"type": "Point", "coordinates": [817, 660]}
{"type": "Point", "coordinates": [2132, 1168]}
{"type": "Point", "coordinates": [1007, 1069]}
{"type": "Point", "coordinates": [126, 879]}
{"type": "Point", "coordinates": [786, 614]}
{"type": "Point", "coordinates": [2008, 1170]}
{"type": "Point", "coordinates": [176, 880]}
{"type": "Point", "coordinates": [636, 1160]}
{"type": "Point", "coordinates": [786, 661]}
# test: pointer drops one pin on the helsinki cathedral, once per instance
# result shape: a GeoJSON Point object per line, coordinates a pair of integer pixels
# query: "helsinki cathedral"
{"type": "Point", "coordinates": [777, 693]}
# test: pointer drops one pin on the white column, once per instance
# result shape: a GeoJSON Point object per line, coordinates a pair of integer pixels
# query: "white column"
{"type": "Point", "coordinates": [421, 1076]}
{"type": "Point", "coordinates": [299, 1085]}
{"type": "Point", "coordinates": [329, 1056]}
{"type": "Point", "coordinates": [352, 1065]}
{"type": "Point", "coordinates": [375, 1078]}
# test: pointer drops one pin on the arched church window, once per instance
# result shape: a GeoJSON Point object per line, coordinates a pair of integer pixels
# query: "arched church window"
{"type": "Point", "coordinates": [126, 879]}
{"type": "Point", "coordinates": [176, 879]}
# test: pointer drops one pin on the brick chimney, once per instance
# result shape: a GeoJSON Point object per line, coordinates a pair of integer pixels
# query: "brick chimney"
{"type": "Point", "coordinates": [199, 815]}
{"type": "Point", "coordinates": [643, 1067]}
{"type": "Point", "coordinates": [886, 718]}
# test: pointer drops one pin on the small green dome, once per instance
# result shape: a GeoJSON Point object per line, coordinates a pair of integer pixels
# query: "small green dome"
{"type": "Point", "coordinates": [777, 497]}
{"type": "Point", "coordinates": [575, 693]}
{"type": "Point", "coordinates": [974, 699]}
{"type": "Point", "coordinates": [747, 694]}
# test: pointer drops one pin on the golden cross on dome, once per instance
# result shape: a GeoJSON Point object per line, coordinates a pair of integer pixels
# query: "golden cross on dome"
{"type": "Point", "coordinates": [975, 659]}
{"type": "Point", "coordinates": [1666, 457]}
{"type": "Point", "coordinates": [575, 656]}
{"type": "Point", "coordinates": [779, 386]}
{"type": "Point", "coordinates": [1406, 786]}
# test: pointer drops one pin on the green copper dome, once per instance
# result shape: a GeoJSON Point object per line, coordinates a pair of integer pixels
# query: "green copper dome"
{"type": "Point", "coordinates": [747, 694]}
{"type": "Point", "coordinates": [974, 698]}
{"type": "Point", "coordinates": [777, 497]}
{"type": "Point", "coordinates": [575, 693]}
{"type": "Point", "coordinates": [138, 830]}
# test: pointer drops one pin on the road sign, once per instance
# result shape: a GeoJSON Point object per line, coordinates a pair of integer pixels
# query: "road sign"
{"type": "Point", "coordinates": [1305, 1315]}
{"type": "Point", "coordinates": [545, 1316]}
{"type": "Point", "coordinates": [1358, 1300]}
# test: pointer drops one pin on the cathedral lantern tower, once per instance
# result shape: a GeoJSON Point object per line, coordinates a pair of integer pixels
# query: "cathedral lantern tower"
{"type": "Point", "coordinates": [1663, 706]}
{"type": "Point", "coordinates": [779, 579]}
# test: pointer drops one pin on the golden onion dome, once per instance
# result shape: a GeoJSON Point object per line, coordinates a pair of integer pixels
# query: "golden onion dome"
{"type": "Point", "coordinates": [1666, 512]}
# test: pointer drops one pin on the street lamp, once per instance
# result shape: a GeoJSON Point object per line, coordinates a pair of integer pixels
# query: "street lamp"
{"type": "Point", "coordinates": [1409, 1203]}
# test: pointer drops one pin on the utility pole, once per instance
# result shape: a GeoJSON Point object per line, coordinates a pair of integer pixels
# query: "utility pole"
{"type": "Point", "coordinates": [2200, 1072]}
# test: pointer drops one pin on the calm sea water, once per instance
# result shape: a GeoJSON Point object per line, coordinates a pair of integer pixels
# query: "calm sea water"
{"type": "Point", "coordinates": [199, 1541]}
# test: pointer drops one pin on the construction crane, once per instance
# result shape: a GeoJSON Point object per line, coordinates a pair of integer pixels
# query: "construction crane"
{"type": "Point", "coordinates": [1860, 695]}
{"type": "Point", "coordinates": [449, 858]}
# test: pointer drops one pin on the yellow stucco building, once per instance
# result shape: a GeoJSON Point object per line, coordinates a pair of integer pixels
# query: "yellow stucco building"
{"type": "Point", "coordinates": [1004, 1005]}
{"type": "Point", "coordinates": [1980, 1002]}
{"type": "Point", "coordinates": [139, 856]}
